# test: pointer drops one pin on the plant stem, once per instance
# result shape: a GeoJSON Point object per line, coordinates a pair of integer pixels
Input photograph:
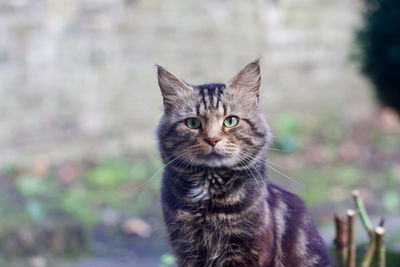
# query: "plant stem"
{"type": "Point", "coordinates": [341, 241]}
{"type": "Point", "coordinates": [362, 212]}
{"type": "Point", "coordinates": [351, 254]}
{"type": "Point", "coordinates": [369, 254]}
{"type": "Point", "coordinates": [380, 249]}
{"type": "Point", "coordinates": [381, 222]}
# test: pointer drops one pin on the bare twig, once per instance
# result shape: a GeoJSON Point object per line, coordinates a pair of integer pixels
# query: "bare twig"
{"type": "Point", "coordinates": [362, 212]}
{"type": "Point", "coordinates": [341, 241]}
{"type": "Point", "coordinates": [351, 254]}
{"type": "Point", "coordinates": [380, 247]}
{"type": "Point", "coordinates": [369, 254]}
{"type": "Point", "coordinates": [345, 242]}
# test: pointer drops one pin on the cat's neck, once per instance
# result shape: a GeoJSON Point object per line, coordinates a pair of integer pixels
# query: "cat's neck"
{"type": "Point", "coordinates": [189, 172]}
{"type": "Point", "coordinates": [203, 182]}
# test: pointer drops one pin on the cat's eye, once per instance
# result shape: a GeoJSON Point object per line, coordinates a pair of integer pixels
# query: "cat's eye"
{"type": "Point", "coordinates": [193, 123]}
{"type": "Point", "coordinates": [231, 121]}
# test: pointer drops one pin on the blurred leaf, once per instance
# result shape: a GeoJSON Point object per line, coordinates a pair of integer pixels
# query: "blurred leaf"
{"type": "Point", "coordinates": [167, 259]}
{"type": "Point", "coordinates": [32, 186]}
{"type": "Point", "coordinates": [35, 209]}
{"type": "Point", "coordinates": [348, 175]}
{"type": "Point", "coordinates": [104, 176]}
{"type": "Point", "coordinates": [116, 171]}
{"type": "Point", "coordinates": [286, 124]}
{"type": "Point", "coordinates": [72, 201]}
{"type": "Point", "coordinates": [391, 201]}
{"type": "Point", "coordinates": [76, 203]}
{"type": "Point", "coordinates": [287, 130]}
{"type": "Point", "coordinates": [316, 195]}
{"type": "Point", "coordinates": [287, 143]}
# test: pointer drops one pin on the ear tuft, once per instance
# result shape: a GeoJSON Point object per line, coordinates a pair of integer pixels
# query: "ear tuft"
{"type": "Point", "coordinates": [249, 78]}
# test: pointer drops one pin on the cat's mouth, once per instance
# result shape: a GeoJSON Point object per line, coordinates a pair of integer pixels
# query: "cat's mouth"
{"type": "Point", "coordinates": [214, 155]}
{"type": "Point", "coordinates": [213, 159]}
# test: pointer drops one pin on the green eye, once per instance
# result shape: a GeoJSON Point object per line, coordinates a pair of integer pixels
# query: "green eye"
{"type": "Point", "coordinates": [193, 123]}
{"type": "Point", "coordinates": [231, 121]}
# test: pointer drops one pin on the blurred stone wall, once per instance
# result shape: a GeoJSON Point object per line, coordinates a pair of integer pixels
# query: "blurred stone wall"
{"type": "Point", "coordinates": [77, 77]}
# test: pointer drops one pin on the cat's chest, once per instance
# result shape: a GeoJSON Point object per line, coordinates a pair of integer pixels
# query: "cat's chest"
{"type": "Point", "coordinates": [210, 184]}
{"type": "Point", "coordinates": [211, 230]}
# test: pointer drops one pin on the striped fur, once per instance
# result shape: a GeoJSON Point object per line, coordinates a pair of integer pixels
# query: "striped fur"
{"type": "Point", "coordinates": [218, 207]}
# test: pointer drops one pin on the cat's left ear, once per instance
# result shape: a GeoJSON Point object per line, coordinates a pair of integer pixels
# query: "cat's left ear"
{"type": "Point", "coordinates": [248, 79]}
{"type": "Point", "coordinates": [172, 88]}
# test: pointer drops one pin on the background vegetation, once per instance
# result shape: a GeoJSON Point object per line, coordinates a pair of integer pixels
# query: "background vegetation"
{"type": "Point", "coordinates": [380, 42]}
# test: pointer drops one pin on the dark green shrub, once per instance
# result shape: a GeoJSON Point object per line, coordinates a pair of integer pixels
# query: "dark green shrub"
{"type": "Point", "coordinates": [380, 44]}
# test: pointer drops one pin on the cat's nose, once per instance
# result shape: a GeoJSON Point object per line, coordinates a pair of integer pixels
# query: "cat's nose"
{"type": "Point", "coordinates": [212, 141]}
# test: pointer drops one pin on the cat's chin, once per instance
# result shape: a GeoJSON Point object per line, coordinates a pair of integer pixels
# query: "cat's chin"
{"type": "Point", "coordinates": [215, 163]}
{"type": "Point", "coordinates": [215, 160]}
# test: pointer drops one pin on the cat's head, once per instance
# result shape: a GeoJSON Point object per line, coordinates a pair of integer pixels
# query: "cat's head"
{"type": "Point", "coordinates": [214, 125]}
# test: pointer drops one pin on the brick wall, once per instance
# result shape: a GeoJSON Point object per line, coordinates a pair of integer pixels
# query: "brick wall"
{"type": "Point", "coordinates": [77, 77]}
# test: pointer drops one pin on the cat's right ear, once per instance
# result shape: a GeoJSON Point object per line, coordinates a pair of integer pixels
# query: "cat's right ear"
{"type": "Point", "coordinates": [248, 80]}
{"type": "Point", "coordinates": [172, 88]}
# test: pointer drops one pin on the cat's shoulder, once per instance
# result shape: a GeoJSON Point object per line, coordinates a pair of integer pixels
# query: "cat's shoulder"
{"type": "Point", "coordinates": [278, 196]}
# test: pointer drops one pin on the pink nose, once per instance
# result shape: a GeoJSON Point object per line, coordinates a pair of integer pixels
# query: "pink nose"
{"type": "Point", "coordinates": [212, 141]}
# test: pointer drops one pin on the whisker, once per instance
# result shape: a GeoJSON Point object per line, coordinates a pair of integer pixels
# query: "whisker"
{"type": "Point", "coordinates": [183, 169]}
{"type": "Point", "coordinates": [280, 150]}
{"type": "Point", "coordinates": [252, 174]}
{"type": "Point", "coordinates": [273, 149]}
{"type": "Point", "coordinates": [148, 180]}
{"type": "Point", "coordinates": [283, 174]}
{"type": "Point", "coordinates": [273, 163]}
{"type": "Point", "coordinates": [272, 168]}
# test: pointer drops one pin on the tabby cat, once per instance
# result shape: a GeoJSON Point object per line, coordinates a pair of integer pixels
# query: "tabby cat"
{"type": "Point", "coordinates": [218, 207]}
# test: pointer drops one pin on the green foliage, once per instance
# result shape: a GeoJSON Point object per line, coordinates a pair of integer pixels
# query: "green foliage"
{"type": "Point", "coordinates": [287, 129]}
{"type": "Point", "coordinates": [113, 172]}
{"type": "Point", "coordinates": [77, 204]}
{"type": "Point", "coordinates": [392, 259]}
{"type": "Point", "coordinates": [391, 201]}
{"type": "Point", "coordinates": [319, 190]}
{"type": "Point", "coordinates": [32, 186]}
{"type": "Point", "coordinates": [116, 183]}
{"type": "Point", "coordinates": [380, 42]}
{"type": "Point", "coordinates": [167, 260]}
{"type": "Point", "coordinates": [348, 175]}
{"type": "Point", "coordinates": [130, 186]}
